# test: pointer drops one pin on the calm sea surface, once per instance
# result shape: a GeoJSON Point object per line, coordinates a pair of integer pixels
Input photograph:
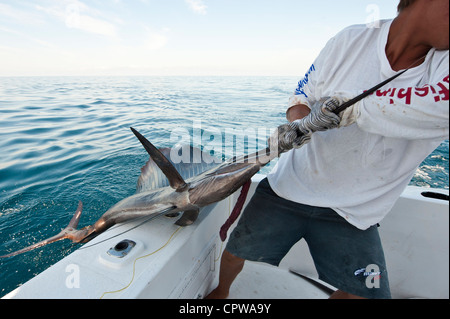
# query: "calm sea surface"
{"type": "Point", "coordinates": [65, 139]}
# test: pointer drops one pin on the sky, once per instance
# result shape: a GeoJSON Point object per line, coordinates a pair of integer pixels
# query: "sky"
{"type": "Point", "coordinates": [173, 37]}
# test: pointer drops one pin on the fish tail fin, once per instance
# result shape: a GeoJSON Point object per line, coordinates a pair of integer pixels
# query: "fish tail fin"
{"type": "Point", "coordinates": [66, 233]}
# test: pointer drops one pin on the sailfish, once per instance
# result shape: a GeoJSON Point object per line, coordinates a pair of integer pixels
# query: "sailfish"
{"type": "Point", "coordinates": [188, 188]}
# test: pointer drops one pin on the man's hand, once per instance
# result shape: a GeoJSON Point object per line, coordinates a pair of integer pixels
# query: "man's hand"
{"type": "Point", "coordinates": [298, 133]}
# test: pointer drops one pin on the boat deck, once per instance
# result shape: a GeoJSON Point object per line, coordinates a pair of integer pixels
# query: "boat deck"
{"type": "Point", "coordinates": [262, 281]}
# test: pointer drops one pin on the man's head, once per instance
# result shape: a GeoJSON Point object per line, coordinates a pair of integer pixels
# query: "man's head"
{"type": "Point", "coordinates": [433, 17]}
{"type": "Point", "coordinates": [403, 4]}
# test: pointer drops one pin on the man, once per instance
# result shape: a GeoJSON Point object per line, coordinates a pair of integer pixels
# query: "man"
{"type": "Point", "coordinates": [342, 181]}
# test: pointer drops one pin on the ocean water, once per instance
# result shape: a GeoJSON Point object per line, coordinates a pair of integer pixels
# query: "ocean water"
{"type": "Point", "coordinates": [65, 139]}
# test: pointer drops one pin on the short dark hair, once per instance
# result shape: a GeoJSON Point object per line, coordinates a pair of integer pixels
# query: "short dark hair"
{"type": "Point", "coordinates": [403, 4]}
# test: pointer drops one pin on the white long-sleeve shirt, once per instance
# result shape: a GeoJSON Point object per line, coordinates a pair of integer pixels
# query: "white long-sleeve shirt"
{"type": "Point", "coordinates": [360, 170]}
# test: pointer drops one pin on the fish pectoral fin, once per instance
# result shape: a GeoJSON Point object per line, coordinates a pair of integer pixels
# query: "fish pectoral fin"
{"type": "Point", "coordinates": [175, 180]}
{"type": "Point", "coordinates": [188, 218]}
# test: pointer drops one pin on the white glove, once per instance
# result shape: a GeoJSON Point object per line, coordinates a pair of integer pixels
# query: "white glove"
{"type": "Point", "coordinates": [298, 133]}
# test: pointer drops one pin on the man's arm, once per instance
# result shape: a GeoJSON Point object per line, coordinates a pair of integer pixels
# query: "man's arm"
{"type": "Point", "coordinates": [304, 122]}
{"type": "Point", "coordinates": [297, 112]}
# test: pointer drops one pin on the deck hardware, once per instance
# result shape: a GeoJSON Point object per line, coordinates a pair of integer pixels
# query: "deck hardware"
{"type": "Point", "coordinates": [122, 248]}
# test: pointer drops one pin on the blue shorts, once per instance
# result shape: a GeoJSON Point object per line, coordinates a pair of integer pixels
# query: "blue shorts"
{"type": "Point", "coordinates": [350, 259]}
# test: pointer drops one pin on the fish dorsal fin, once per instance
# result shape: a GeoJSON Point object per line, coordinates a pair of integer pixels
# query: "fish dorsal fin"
{"type": "Point", "coordinates": [189, 162]}
{"type": "Point", "coordinates": [175, 180]}
{"type": "Point", "coordinates": [152, 177]}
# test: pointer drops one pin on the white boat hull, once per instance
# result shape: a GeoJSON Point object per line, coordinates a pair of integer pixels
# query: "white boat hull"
{"type": "Point", "coordinates": [172, 262]}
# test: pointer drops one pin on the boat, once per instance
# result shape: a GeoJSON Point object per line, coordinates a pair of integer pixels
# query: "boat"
{"type": "Point", "coordinates": [145, 259]}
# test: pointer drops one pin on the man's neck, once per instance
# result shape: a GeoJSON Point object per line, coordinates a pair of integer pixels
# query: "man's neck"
{"type": "Point", "coordinates": [405, 47]}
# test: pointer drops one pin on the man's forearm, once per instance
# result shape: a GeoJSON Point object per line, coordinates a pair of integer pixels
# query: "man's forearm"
{"type": "Point", "coordinates": [297, 112]}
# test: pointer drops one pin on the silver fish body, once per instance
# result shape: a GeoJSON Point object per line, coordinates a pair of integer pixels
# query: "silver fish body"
{"type": "Point", "coordinates": [188, 188]}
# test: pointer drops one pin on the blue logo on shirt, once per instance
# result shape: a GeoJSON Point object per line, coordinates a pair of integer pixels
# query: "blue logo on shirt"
{"type": "Point", "coordinates": [301, 84]}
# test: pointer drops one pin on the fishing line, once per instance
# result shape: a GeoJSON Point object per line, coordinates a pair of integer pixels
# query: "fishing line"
{"type": "Point", "coordinates": [130, 229]}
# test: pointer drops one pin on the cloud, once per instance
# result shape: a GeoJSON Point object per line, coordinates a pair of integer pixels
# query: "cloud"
{"type": "Point", "coordinates": [197, 6]}
{"type": "Point", "coordinates": [77, 15]}
{"type": "Point", "coordinates": [19, 15]}
{"type": "Point", "coordinates": [31, 39]}
{"type": "Point", "coordinates": [91, 25]}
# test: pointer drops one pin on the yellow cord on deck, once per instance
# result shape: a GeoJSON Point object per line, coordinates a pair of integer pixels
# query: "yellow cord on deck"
{"type": "Point", "coordinates": [162, 247]}
{"type": "Point", "coordinates": [134, 265]}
